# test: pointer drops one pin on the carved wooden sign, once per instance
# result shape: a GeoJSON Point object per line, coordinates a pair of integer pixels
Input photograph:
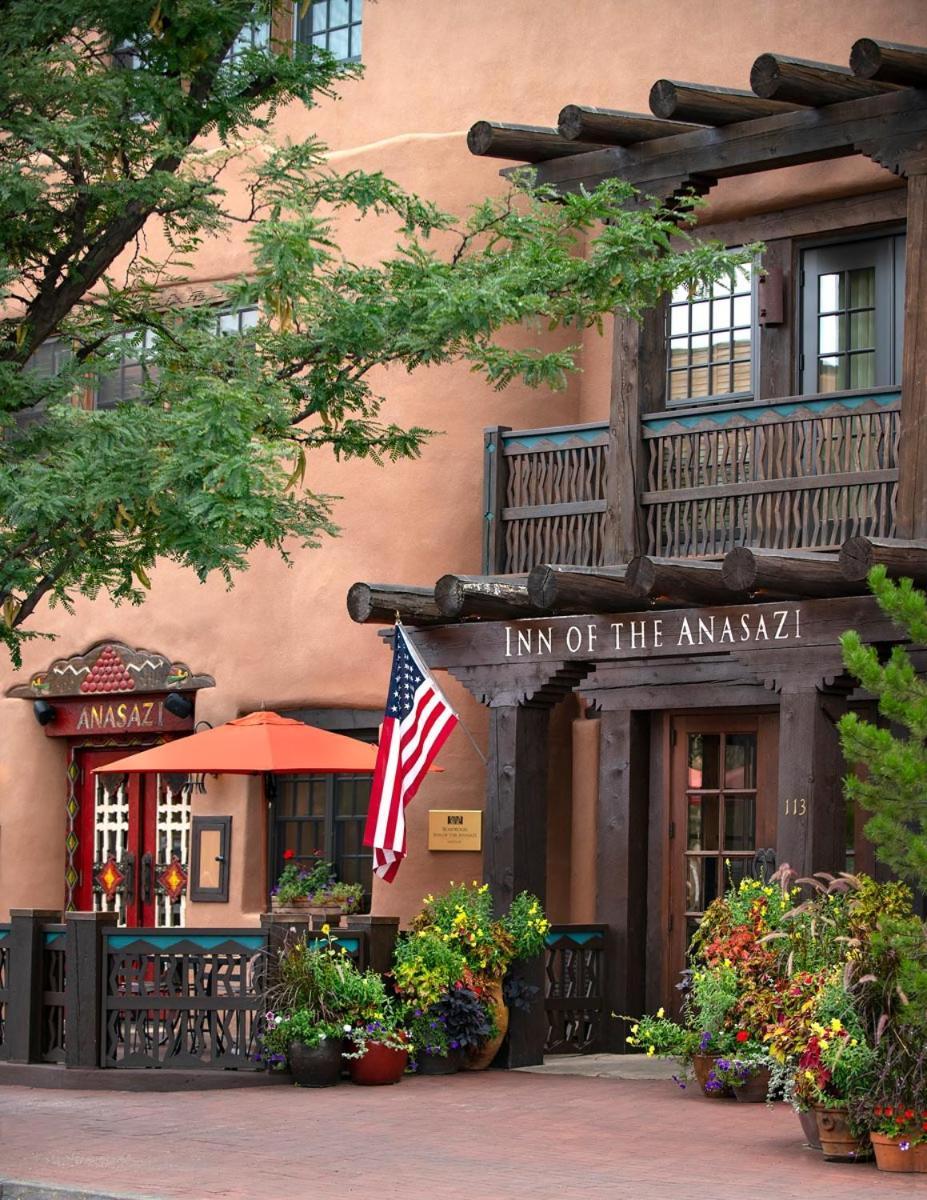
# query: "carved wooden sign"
{"type": "Point", "coordinates": [658, 633]}
{"type": "Point", "coordinates": [111, 667]}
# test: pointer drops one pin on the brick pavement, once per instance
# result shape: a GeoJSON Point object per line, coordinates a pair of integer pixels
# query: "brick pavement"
{"type": "Point", "coordinates": [488, 1136]}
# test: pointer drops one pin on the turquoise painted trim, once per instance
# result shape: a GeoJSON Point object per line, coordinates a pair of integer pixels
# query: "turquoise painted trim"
{"type": "Point", "coordinates": [4, 933]}
{"type": "Point", "coordinates": [723, 415]}
{"type": "Point", "coordinates": [167, 941]}
{"type": "Point", "coordinates": [352, 945]}
{"type": "Point", "coordinates": [581, 938]}
{"type": "Point", "coordinates": [556, 439]}
{"type": "Point", "coordinates": [51, 938]}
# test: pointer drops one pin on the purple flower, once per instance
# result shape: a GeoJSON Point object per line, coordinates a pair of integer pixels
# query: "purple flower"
{"type": "Point", "coordinates": [417, 1013]}
{"type": "Point", "coordinates": [454, 1044]}
{"type": "Point", "coordinates": [905, 1145]}
{"type": "Point", "coordinates": [680, 1083]}
{"type": "Point", "coordinates": [724, 1064]}
{"type": "Point", "coordinates": [704, 1041]}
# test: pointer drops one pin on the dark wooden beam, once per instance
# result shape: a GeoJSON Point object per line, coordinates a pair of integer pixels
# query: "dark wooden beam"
{"type": "Point", "coordinates": [800, 81]}
{"type": "Point", "coordinates": [907, 559]}
{"type": "Point", "coordinates": [791, 138]}
{"type": "Point", "coordinates": [911, 505]}
{"type": "Point", "coordinates": [786, 573]}
{"type": "Point", "coordinates": [525, 143]}
{"type": "Point", "coordinates": [563, 589]}
{"type": "Point", "coordinates": [683, 581]}
{"type": "Point", "coordinates": [889, 62]}
{"type": "Point", "coordinates": [493, 596]}
{"type": "Point", "coordinates": [704, 105]}
{"type": "Point", "coordinates": [378, 603]}
{"type": "Point", "coordinates": [613, 127]}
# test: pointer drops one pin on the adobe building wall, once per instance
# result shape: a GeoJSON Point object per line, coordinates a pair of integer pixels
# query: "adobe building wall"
{"type": "Point", "coordinates": [282, 638]}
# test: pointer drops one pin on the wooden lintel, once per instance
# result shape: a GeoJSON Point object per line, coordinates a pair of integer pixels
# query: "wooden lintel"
{"type": "Point", "coordinates": [786, 572]}
{"type": "Point", "coordinates": [680, 581]}
{"type": "Point", "coordinates": [902, 559]}
{"type": "Point", "coordinates": [889, 61]}
{"type": "Point", "coordinates": [705, 105]}
{"type": "Point", "coordinates": [491, 596]}
{"type": "Point", "coordinates": [524, 143]}
{"type": "Point", "coordinates": [800, 81]}
{"type": "Point", "coordinates": [378, 603]}
{"type": "Point", "coordinates": [555, 588]}
{"type": "Point", "coordinates": [788, 139]}
{"type": "Point", "coordinates": [613, 127]}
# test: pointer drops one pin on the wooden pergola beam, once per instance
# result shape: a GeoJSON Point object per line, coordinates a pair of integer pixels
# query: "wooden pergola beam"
{"type": "Point", "coordinates": [569, 589]}
{"type": "Point", "coordinates": [799, 573]}
{"type": "Point", "coordinates": [524, 143]}
{"type": "Point", "coordinates": [890, 62]}
{"type": "Point", "coordinates": [679, 581]}
{"type": "Point", "coordinates": [745, 147]}
{"type": "Point", "coordinates": [706, 105]}
{"type": "Point", "coordinates": [801, 81]}
{"type": "Point", "coordinates": [378, 604]}
{"type": "Point", "coordinates": [902, 559]}
{"type": "Point", "coordinates": [494, 596]}
{"type": "Point", "coordinates": [615, 128]}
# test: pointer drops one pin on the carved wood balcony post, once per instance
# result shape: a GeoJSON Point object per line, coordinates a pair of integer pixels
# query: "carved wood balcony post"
{"type": "Point", "coordinates": [515, 820]}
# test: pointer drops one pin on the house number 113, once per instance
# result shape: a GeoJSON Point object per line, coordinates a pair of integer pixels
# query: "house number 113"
{"type": "Point", "coordinates": [796, 806]}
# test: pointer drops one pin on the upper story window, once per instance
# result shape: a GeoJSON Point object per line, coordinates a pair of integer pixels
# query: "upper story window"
{"type": "Point", "coordinates": [333, 25]}
{"type": "Point", "coordinates": [710, 339]}
{"type": "Point", "coordinates": [852, 315]}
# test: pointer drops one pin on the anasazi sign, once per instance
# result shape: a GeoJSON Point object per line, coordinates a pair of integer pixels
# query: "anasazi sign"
{"type": "Point", "coordinates": [681, 630]}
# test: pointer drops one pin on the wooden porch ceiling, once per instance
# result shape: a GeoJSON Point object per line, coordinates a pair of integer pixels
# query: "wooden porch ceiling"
{"type": "Point", "coordinates": [745, 576]}
{"type": "Point", "coordinates": [796, 112]}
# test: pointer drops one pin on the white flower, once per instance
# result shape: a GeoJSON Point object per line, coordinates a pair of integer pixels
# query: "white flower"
{"type": "Point", "coordinates": [348, 1028]}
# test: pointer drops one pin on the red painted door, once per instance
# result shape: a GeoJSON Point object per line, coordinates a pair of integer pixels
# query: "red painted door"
{"type": "Point", "coordinates": [133, 833]}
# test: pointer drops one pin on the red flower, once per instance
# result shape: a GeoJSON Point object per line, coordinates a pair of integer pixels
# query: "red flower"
{"type": "Point", "coordinates": [878, 1110]}
{"type": "Point", "coordinates": [743, 1036]}
{"type": "Point", "coordinates": [288, 854]}
{"type": "Point", "coordinates": [889, 1111]}
{"type": "Point", "coordinates": [909, 1113]}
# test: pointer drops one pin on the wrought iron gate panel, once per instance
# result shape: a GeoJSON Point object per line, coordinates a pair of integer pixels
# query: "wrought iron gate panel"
{"type": "Point", "coordinates": [574, 992]}
{"type": "Point", "coordinates": [54, 978]}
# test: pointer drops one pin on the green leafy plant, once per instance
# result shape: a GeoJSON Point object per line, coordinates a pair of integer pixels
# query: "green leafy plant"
{"type": "Point", "coordinates": [319, 977]}
{"type": "Point", "coordinates": [317, 884]}
{"type": "Point", "coordinates": [426, 967]}
{"type": "Point", "coordinates": [280, 1032]}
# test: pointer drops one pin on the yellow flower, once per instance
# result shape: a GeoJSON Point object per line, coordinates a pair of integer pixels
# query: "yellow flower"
{"type": "Point", "coordinates": [634, 1029]}
{"type": "Point", "coordinates": [854, 1042]}
{"type": "Point", "coordinates": [823, 1043]}
{"type": "Point", "coordinates": [484, 888]}
{"type": "Point", "coordinates": [809, 1074]}
{"type": "Point", "coordinates": [836, 1025]}
{"type": "Point", "coordinates": [651, 1050]}
{"type": "Point", "coordinates": [326, 929]}
{"type": "Point", "coordinates": [661, 1013]}
{"type": "Point", "coordinates": [631, 1041]}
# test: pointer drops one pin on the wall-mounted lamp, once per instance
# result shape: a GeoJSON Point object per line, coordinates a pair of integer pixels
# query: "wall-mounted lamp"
{"type": "Point", "coordinates": [44, 712]}
{"type": "Point", "coordinates": [178, 705]}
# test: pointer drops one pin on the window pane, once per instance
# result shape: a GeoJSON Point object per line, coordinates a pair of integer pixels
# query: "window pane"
{"type": "Point", "coordinates": [679, 385]}
{"type": "Point", "coordinates": [679, 353]}
{"type": "Point", "coordinates": [862, 287]}
{"type": "Point", "coordinates": [743, 310]}
{"type": "Point", "coordinates": [739, 822]}
{"type": "Point", "coordinates": [862, 370]}
{"type": "Point", "coordinates": [698, 382]}
{"type": "Point", "coordinates": [718, 326]}
{"type": "Point", "coordinates": [830, 292]}
{"type": "Point", "coordinates": [701, 316]}
{"type": "Point", "coordinates": [339, 43]}
{"type": "Point", "coordinates": [740, 760]}
{"type": "Point", "coordinates": [831, 334]}
{"type": "Point", "coordinates": [702, 832]}
{"type": "Point", "coordinates": [679, 319]}
{"type": "Point", "coordinates": [318, 12]}
{"type": "Point", "coordinates": [743, 344]}
{"type": "Point", "coordinates": [743, 377]}
{"type": "Point", "coordinates": [339, 12]}
{"type": "Point", "coordinates": [704, 754]}
{"type": "Point", "coordinates": [702, 876]}
{"type": "Point", "coordinates": [862, 330]}
{"type": "Point", "coordinates": [829, 374]}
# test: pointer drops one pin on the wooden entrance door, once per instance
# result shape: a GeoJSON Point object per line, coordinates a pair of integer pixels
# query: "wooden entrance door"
{"type": "Point", "coordinates": [723, 811]}
{"type": "Point", "coordinates": [131, 829]}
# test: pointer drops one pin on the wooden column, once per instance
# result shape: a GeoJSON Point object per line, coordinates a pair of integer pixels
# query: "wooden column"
{"type": "Point", "coordinates": [494, 482]}
{"type": "Point", "coordinates": [23, 1032]}
{"type": "Point", "coordinates": [911, 513]}
{"type": "Point", "coordinates": [810, 823]}
{"type": "Point", "coordinates": [621, 863]}
{"type": "Point", "coordinates": [83, 986]}
{"type": "Point", "coordinates": [638, 373]}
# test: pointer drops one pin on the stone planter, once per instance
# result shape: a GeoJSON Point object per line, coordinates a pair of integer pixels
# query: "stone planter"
{"type": "Point", "coordinates": [838, 1142]}
{"type": "Point", "coordinates": [809, 1127]}
{"type": "Point", "coordinates": [315, 1066]}
{"type": "Point", "coordinates": [890, 1157]}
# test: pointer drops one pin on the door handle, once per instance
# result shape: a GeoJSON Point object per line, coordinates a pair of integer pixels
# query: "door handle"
{"type": "Point", "coordinates": [147, 878]}
{"type": "Point", "coordinates": [130, 878]}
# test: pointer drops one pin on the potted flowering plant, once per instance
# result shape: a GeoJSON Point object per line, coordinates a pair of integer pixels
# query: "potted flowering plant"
{"type": "Point", "coordinates": [309, 1047]}
{"type": "Point", "coordinates": [313, 890]}
{"type": "Point", "coordinates": [380, 1043]}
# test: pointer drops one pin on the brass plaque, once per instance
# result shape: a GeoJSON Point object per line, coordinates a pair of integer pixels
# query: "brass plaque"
{"type": "Point", "coordinates": [455, 829]}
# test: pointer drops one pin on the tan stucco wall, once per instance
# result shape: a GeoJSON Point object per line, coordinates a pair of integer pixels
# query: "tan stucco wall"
{"type": "Point", "coordinates": [282, 637]}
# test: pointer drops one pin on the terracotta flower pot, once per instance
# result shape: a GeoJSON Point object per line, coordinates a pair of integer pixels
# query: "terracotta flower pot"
{"type": "Point", "coordinates": [440, 1064]}
{"type": "Point", "coordinates": [755, 1089]}
{"type": "Point", "coordinates": [315, 1066]}
{"type": "Point", "coordinates": [890, 1157]}
{"type": "Point", "coordinates": [838, 1142]}
{"type": "Point", "coordinates": [702, 1066]}
{"type": "Point", "coordinates": [809, 1126]}
{"type": "Point", "coordinates": [379, 1065]}
{"type": "Point", "coordinates": [479, 1060]}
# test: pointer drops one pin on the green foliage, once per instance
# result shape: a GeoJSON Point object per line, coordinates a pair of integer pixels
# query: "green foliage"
{"type": "Point", "coordinates": [215, 457]}
{"type": "Point", "coordinates": [280, 1032]}
{"type": "Point", "coordinates": [463, 918]}
{"type": "Point", "coordinates": [893, 783]}
{"type": "Point", "coordinates": [526, 925]}
{"type": "Point", "coordinates": [425, 966]}
{"type": "Point", "coordinates": [320, 978]}
{"type": "Point", "coordinates": [661, 1036]}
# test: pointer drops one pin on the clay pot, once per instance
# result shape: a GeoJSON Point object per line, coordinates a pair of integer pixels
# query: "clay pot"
{"type": "Point", "coordinates": [479, 1060]}
{"type": "Point", "coordinates": [315, 1066]}
{"type": "Point", "coordinates": [809, 1126]}
{"type": "Point", "coordinates": [890, 1157]}
{"type": "Point", "coordinates": [379, 1065]}
{"type": "Point", "coordinates": [702, 1066]}
{"type": "Point", "coordinates": [755, 1089]}
{"type": "Point", "coordinates": [440, 1064]}
{"type": "Point", "coordinates": [838, 1142]}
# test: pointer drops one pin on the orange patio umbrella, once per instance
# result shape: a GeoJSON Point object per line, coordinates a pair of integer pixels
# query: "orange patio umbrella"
{"type": "Point", "coordinates": [260, 743]}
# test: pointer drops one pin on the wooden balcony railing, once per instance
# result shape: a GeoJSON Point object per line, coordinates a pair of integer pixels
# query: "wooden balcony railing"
{"type": "Point", "coordinates": [806, 472]}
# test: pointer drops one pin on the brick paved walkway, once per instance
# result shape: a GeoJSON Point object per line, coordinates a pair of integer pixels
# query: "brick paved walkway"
{"type": "Point", "coordinates": [489, 1136]}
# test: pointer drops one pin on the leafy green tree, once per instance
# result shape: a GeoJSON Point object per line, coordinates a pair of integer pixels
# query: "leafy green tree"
{"type": "Point", "coordinates": [893, 783]}
{"type": "Point", "coordinates": [120, 119]}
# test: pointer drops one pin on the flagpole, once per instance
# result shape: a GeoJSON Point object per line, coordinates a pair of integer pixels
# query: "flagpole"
{"type": "Point", "coordinates": [460, 722]}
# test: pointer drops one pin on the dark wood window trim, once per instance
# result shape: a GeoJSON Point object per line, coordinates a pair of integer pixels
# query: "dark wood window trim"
{"type": "Point", "coordinates": [219, 894]}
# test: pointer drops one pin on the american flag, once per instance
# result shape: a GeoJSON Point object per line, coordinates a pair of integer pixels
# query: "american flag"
{"type": "Point", "coordinates": [416, 725]}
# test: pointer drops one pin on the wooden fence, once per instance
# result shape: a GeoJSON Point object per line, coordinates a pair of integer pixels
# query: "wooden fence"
{"type": "Point", "coordinates": [575, 995]}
